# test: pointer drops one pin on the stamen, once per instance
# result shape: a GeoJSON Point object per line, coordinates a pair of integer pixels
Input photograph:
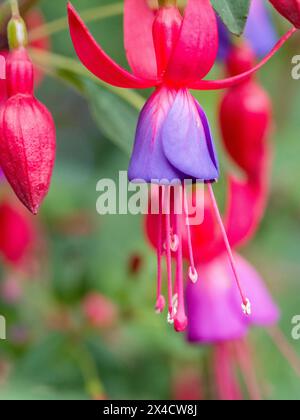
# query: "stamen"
{"type": "Point", "coordinates": [175, 309]}
{"type": "Point", "coordinates": [174, 243]}
{"type": "Point", "coordinates": [180, 320]}
{"type": "Point", "coordinates": [160, 302]}
{"type": "Point", "coordinates": [246, 305]}
{"type": "Point", "coordinates": [193, 275]}
{"type": "Point", "coordinates": [168, 248]}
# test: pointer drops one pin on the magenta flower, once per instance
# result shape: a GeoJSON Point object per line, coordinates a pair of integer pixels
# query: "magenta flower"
{"type": "Point", "coordinates": [213, 303]}
{"type": "Point", "coordinates": [171, 53]}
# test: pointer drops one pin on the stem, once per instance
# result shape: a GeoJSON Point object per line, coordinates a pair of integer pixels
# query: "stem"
{"type": "Point", "coordinates": [48, 60]}
{"type": "Point", "coordinates": [96, 13]}
{"type": "Point", "coordinates": [14, 5]}
{"type": "Point", "coordinates": [88, 369]}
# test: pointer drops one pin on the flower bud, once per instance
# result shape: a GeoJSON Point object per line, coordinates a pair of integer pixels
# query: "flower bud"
{"type": "Point", "coordinates": [245, 116]}
{"type": "Point", "coordinates": [290, 9]}
{"type": "Point", "coordinates": [27, 146]}
{"type": "Point", "coordinates": [240, 59]}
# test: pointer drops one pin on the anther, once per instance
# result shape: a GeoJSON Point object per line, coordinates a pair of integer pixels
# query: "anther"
{"type": "Point", "coordinates": [193, 275]}
{"type": "Point", "coordinates": [160, 304]}
{"type": "Point", "coordinates": [174, 243]}
{"type": "Point", "coordinates": [246, 307]}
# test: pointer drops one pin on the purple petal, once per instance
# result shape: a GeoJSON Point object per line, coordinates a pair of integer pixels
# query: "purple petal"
{"type": "Point", "coordinates": [187, 140]}
{"type": "Point", "coordinates": [211, 306]}
{"type": "Point", "coordinates": [214, 303]}
{"type": "Point", "coordinates": [173, 140]}
{"type": "Point", "coordinates": [148, 161]}
{"type": "Point", "coordinates": [260, 31]}
{"type": "Point", "coordinates": [225, 43]}
{"type": "Point", "coordinates": [264, 310]}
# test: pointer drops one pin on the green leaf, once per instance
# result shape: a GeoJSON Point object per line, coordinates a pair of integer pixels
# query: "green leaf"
{"type": "Point", "coordinates": [233, 13]}
{"type": "Point", "coordinates": [116, 118]}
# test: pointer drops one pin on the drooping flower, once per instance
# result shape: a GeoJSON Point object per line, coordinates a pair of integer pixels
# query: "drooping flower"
{"type": "Point", "coordinates": [259, 31]}
{"type": "Point", "coordinates": [290, 9]}
{"type": "Point", "coordinates": [27, 147]}
{"type": "Point", "coordinates": [172, 53]}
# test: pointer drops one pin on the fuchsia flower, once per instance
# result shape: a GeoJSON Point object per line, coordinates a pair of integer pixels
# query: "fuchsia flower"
{"type": "Point", "coordinates": [290, 9]}
{"type": "Point", "coordinates": [172, 53]}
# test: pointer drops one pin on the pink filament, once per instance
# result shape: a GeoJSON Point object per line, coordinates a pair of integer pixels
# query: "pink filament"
{"type": "Point", "coordinates": [180, 323]}
{"type": "Point", "coordinates": [160, 303]}
{"type": "Point", "coordinates": [189, 237]}
{"type": "Point", "coordinates": [168, 249]}
{"type": "Point", "coordinates": [227, 244]}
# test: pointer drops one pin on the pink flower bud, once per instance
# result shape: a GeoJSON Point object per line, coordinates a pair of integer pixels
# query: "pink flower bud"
{"type": "Point", "coordinates": [290, 9]}
{"type": "Point", "coordinates": [27, 147]}
{"type": "Point", "coordinates": [245, 116]}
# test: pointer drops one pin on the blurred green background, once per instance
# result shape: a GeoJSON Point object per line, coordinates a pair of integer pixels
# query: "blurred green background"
{"type": "Point", "coordinates": [51, 352]}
